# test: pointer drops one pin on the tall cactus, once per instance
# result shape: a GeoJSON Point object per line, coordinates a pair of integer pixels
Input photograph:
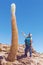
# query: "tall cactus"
{"type": "Point", "coordinates": [14, 42]}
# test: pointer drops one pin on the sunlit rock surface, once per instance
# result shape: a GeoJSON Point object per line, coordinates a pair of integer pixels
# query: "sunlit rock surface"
{"type": "Point", "coordinates": [36, 59]}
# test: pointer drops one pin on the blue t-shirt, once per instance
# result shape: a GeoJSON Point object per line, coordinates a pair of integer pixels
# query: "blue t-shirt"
{"type": "Point", "coordinates": [27, 41]}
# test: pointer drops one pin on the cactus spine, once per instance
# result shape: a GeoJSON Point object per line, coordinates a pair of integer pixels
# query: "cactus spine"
{"type": "Point", "coordinates": [14, 42]}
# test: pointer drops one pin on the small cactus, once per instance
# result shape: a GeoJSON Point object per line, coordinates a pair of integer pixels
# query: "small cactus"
{"type": "Point", "coordinates": [14, 42]}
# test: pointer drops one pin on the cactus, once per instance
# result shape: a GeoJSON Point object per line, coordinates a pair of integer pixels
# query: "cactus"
{"type": "Point", "coordinates": [14, 42]}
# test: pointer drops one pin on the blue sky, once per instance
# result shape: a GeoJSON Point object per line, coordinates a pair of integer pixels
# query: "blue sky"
{"type": "Point", "coordinates": [29, 16]}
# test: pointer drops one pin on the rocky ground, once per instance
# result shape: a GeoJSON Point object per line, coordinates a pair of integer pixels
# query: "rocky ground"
{"type": "Point", "coordinates": [36, 59]}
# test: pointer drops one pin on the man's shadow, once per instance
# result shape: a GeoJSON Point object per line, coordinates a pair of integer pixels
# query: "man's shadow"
{"type": "Point", "coordinates": [20, 57]}
{"type": "Point", "coordinates": [1, 57]}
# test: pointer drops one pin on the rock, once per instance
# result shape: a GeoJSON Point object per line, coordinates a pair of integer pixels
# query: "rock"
{"type": "Point", "coordinates": [36, 59]}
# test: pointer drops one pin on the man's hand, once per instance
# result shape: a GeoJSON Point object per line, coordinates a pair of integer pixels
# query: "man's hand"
{"type": "Point", "coordinates": [23, 34]}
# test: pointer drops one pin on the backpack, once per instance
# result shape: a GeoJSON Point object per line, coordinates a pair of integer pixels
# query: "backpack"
{"type": "Point", "coordinates": [27, 41]}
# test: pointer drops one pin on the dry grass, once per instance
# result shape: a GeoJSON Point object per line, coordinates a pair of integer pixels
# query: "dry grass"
{"type": "Point", "coordinates": [0, 49]}
{"type": "Point", "coordinates": [8, 63]}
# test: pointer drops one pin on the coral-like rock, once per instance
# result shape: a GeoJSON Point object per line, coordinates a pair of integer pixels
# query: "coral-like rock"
{"type": "Point", "coordinates": [36, 59]}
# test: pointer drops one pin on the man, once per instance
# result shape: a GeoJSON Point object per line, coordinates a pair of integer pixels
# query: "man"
{"type": "Point", "coordinates": [28, 44]}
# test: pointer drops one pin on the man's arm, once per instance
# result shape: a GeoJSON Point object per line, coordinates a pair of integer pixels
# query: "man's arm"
{"type": "Point", "coordinates": [31, 41]}
{"type": "Point", "coordinates": [24, 34]}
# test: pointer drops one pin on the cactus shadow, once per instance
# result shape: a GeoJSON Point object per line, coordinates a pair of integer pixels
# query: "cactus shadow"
{"type": "Point", "coordinates": [20, 57]}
